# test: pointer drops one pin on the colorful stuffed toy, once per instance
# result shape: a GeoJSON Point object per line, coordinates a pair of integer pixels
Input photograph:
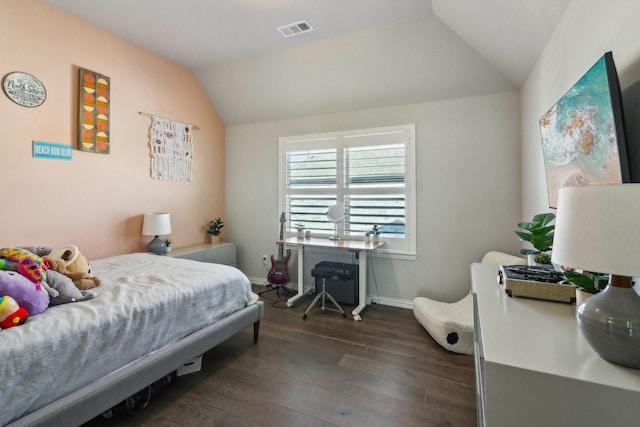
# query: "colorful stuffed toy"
{"type": "Point", "coordinates": [30, 265]}
{"type": "Point", "coordinates": [18, 287]}
{"type": "Point", "coordinates": [11, 314]}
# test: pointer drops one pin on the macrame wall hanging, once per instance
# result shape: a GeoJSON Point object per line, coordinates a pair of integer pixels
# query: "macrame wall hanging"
{"type": "Point", "coordinates": [171, 149]}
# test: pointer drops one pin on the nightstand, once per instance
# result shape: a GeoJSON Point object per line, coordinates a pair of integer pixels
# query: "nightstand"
{"type": "Point", "coordinates": [220, 253]}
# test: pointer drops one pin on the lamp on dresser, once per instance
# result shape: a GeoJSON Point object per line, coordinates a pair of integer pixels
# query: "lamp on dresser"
{"type": "Point", "coordinates": [598, 230]}
{"type": "Point", "coordinates": [156, 224]}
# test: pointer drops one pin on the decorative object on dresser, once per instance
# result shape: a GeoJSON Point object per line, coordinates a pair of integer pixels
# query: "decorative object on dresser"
{"type": "Point", "coordinates": [214, 229]}
{"type": "Point", "coordinates": [588, 283]}
{"type": "Point", "coordinates": [539, 282]}
{"type": "Point", "coordinates": [538, 232]}
{"type": "Point", "coordinates": [156, 224]}
{"type": "Point", "coordinates": [278, 275]}
{"type": "Point", "coordinates": [597, 229]}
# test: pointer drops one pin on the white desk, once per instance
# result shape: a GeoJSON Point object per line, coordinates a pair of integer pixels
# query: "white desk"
{"type": "Point", "coordinates": [361, 247]}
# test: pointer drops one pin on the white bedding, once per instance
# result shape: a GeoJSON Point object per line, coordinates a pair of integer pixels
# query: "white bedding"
{"type": "Point", "coordinates": [144, 302]}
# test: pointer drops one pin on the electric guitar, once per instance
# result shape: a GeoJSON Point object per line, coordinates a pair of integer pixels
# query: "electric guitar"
{"type": "Point", "coordinates": [279, 272]}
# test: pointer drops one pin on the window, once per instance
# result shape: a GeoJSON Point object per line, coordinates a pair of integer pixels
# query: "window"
{"type": "Point", "coordinates": [370, 172]}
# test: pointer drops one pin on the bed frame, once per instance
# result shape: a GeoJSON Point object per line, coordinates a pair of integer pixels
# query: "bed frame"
{"type": "Point", "coordinates": [90, 401]}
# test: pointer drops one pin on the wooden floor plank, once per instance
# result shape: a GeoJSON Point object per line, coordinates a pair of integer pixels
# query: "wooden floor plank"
{"type": "Point", "coordinates": [323, 371]}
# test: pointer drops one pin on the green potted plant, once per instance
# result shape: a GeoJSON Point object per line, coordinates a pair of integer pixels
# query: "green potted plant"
{"type": "Point", "coordinates": [588, 283]}
{"type": "Point", "coordinates": [374, 233]}
{"type": "Point", "coordinates": [538, 232]}
{"type": "Point", "coordinates": [168, 242]}
{"type": "Point", "coordinates": [214, 228]}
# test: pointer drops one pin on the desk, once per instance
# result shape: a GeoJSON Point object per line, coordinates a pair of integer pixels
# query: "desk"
{"type": "Point", "coordinates": [358, 246]}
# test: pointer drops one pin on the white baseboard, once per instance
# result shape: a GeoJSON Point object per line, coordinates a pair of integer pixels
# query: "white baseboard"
{"type": "Point", "coordinates": [393, 302]}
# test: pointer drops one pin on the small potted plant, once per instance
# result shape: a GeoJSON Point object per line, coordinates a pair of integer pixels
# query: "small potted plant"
{"type": "Point", "coordinates": [214, 228]}
{"type": "Point", "coordinates": [538, 232]}
{"type": "Point", "coordinates": [588, 283]}
{"type": "Point", "coordinates": [300, 229]}
{"type": "Point", "coordinates": [374, 233]}
{"type": "Point", "coordinates": [168, 242]}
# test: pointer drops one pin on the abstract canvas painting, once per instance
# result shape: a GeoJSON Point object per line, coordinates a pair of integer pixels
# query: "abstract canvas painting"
{"type": "Point", "coordinates": [93, 125]}
{"type": "Point", "coordinates": [583, 133]}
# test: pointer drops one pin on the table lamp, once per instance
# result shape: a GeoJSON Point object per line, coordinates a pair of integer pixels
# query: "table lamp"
{"type": "Point", "coordinates": [597, 229]}
{"type": "Point", "coordinates": [156, 224]}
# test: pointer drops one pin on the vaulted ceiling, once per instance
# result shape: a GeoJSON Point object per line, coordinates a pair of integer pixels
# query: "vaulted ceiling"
{"type": "Point", "coordinates": [360, 54]}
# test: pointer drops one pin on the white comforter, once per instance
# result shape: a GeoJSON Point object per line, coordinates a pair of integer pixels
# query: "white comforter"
{"type": "Point", "coordinates": [144, 302]}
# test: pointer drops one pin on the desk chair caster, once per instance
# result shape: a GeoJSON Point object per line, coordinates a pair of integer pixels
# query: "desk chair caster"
{"type": "Point", "coordinates": [324, 273]}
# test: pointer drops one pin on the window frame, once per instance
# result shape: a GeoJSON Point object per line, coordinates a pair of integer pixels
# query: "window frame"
{"type": "Point", "coordinates": [401, 248]}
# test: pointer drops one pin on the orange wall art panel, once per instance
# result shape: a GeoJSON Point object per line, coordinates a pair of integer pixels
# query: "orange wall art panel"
{"type": "Point", "coordinates": [94, 110]}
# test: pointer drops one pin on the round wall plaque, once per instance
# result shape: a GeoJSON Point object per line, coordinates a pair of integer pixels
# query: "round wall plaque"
{"type": "Point", "coordinates": [24, 89]}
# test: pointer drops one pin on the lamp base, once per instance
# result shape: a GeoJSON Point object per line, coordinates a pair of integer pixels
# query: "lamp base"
{"type": "Point", "coordinates": [157, 246]}
{"type": "Point", "coordinates": [610, 321]}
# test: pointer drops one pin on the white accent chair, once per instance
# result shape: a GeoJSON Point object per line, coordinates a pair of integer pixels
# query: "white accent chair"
{"type": "Point", "coordinates": [451, 324]}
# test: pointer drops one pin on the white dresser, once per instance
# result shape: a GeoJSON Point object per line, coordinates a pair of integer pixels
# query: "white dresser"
{"type": "Point", "coordinates": [220, 253]}
{"type": "Point", "coordinates": [534, 367]}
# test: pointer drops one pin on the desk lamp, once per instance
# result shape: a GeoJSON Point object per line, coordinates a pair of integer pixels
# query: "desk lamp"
{"type": "Point", "coordinates": [598, 230]}
{"type": "Point", "coordinates": [156, 224]}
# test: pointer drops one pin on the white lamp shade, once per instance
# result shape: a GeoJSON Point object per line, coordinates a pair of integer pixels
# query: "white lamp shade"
{"type": "Point", "coordinates": [597, 229]}
{"type": "Point", "coordinates": [156, 224]}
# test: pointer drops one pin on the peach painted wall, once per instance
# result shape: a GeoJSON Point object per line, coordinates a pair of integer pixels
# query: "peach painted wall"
{"type": "Point", "coordinates": [97, 201]}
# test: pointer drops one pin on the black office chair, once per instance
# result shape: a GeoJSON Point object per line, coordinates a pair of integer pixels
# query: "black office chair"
{"type": "Point", "coordinates": [324, 273]}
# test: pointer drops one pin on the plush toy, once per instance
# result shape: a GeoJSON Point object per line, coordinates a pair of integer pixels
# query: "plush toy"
{"type": "Point", "coordinates": [30, 265]}
{"type": "Point", "coordinates": [11, 314]}
{"type": "Point", "coordinates": [23, 291]}
{"type": "Point", "coordinates": [81, 266]}
{"type": "Point", "coordinates": [68, 261]}
{"type": "Point", "coordinates": [78, 279]}
{"type": "Point", "coordinates": [61, 288]}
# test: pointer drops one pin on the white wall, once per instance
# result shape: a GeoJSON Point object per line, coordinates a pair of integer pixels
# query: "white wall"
{"type": "Point", "coordinates": [588, 29]}
{"type": "Point", "coordinates": [468, 183]}
{"type": "Point", "coordinates": [402, 63]}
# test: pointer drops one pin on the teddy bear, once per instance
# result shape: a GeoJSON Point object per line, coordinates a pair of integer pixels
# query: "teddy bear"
{"type": "Point", "coordinates": [77, 271]}
{"type": "Point", "coordinates": [76, 266]}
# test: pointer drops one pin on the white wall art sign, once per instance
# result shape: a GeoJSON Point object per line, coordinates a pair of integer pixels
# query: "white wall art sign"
{"type": "Point", "coordinates": [24, 89]}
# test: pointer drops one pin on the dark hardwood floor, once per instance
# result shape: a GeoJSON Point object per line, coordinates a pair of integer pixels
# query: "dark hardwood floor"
{"type": "Point", "coordinates": [323, 371]}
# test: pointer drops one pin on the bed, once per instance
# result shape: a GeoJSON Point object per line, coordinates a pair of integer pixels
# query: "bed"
{"type": "Point", "coordinates": [150, 315]}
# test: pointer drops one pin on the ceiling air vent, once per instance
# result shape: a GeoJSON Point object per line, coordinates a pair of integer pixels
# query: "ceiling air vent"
{"type": "Point", "coordinates": [295, 29]}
